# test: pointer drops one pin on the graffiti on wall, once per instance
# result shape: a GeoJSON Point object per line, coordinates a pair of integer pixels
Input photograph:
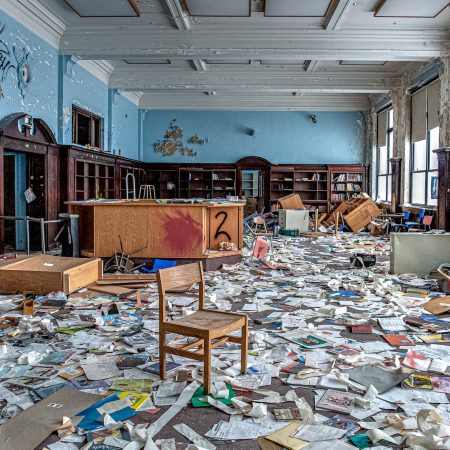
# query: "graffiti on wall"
{"type": "Point", "coordinates": [14, 60]}
{"type": "Point", "coordinates": [173, 142]}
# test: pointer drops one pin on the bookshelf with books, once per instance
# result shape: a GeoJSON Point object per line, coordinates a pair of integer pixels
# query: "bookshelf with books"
{"type": "Point", "coordinates": [319, 186]}
{"type": "Point", "coordinates": [281, 182]}
{"type": "Point", "coordinates": [312, 186]}
{"type": "Point", "coordinates": [346, 184]}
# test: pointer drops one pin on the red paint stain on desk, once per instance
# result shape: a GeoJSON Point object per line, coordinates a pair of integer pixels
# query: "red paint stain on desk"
{"type": "Point", "coordinates": [182, 232]}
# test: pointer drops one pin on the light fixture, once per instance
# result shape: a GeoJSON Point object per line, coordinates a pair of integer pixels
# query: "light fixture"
{"type": "Point", "coordinates": [313, 118]}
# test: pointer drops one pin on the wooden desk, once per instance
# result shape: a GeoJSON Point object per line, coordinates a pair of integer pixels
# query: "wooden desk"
{"type": "Point", "coordinates": [152, 230]}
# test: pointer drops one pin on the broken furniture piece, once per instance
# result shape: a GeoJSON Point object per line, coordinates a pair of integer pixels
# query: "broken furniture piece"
{"type": "Point", "coordinates": [291, 201]}
{"type": "Point", "coordinates": [357, 213]}
{"type": "Point", "coordinates": [211, 328]}
{"type": "Point", "coordinates": [42, 274]}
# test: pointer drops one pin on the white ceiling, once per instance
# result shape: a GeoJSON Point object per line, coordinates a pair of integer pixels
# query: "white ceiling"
{"type": "Point", "coordinates": [253, 54]}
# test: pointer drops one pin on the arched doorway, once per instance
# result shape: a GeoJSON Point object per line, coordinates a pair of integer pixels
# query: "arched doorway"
{"type": "Point", "coordinates": [28, 178]}
{"type": "Point", "coordinates": [253, 180]}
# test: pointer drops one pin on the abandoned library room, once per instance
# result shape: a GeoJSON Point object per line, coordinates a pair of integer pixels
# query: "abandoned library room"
{"type": "Point", "coordinates": [224, 224]}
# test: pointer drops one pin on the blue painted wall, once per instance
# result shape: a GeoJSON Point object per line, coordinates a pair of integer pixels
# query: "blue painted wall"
{"type": "Point", "coordinates": [41, 98]}
{"type": "Point", "coordinates": [88, 92]}
{"type": "Point", "coordinates": [124, 127]}
{"type": "Point", "coordinates": [53, 90]}
{"type": "Point", "coordinates": [281, 137]}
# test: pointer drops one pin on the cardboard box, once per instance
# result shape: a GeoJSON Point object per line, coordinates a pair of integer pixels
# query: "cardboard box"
{"type": "Point", "coordinates": [42, 274]}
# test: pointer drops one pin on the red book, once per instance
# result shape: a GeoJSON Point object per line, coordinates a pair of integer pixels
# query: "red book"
{"type": "Point", "coordinates": [363, 329]}
{"type": "Point", "coordinates": [397, 340]}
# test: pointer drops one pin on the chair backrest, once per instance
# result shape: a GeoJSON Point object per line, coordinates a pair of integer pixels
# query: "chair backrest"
{"type": "Point", "coordinates": [421, 214]}
{"type": "Point", "coordinates": [178, 276]}
{"type": "Point", "coordinates": [427, 220]}
{"type": "Point", "coordinates": [406, 215]}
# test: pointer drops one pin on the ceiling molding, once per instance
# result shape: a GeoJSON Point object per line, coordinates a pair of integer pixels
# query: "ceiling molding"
{"type": "Point", "coordinates": [133, 97]}
{"type": "Point", "coordinates": [36, 18]}
{"type": "Point", "coordinates": [100, 69]}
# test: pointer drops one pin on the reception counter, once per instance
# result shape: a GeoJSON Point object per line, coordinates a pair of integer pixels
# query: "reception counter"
{"type": "Point", "coordinates": [158, 230]}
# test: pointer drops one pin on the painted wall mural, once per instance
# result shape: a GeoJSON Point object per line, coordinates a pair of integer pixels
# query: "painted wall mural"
{"type": "Point", "coordinates": [17, 60]}
{"type": "Point", "coordinates": [173, 142]}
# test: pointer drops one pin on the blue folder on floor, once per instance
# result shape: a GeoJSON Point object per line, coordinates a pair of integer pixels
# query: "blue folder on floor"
{"type": "Point", "coordinates": [162, 264]}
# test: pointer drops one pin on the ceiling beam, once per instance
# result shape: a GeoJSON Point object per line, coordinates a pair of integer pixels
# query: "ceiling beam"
{"type": "Point", "coordinates": [200, 65]}
{"type": "Point", "coordinates": [310, 66]}
{"type": "Point", "coordinates": [290, 44]}
{"type": "Point", "coordinates": [177, 14]}
{"type": "Point", "coordinates": [247, 102]}
{"type": "Point", "coordinates": [145, 80]}
{"type": "Point", "coordinates": [334, 19]}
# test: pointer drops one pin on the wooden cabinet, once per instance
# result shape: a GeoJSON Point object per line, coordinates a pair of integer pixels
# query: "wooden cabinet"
{"type": "Point", "coordinates": [319, 186]}
{"type": "Point", "coordinates": [93, 180]}
{"type": "Point", "coordinates": [164, 181]}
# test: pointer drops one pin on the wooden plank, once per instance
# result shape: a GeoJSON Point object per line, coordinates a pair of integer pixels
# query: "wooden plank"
{"type": "Point", "coordinates": [118, 291]}
{"type": "Point", "coordinates": [291, 201]}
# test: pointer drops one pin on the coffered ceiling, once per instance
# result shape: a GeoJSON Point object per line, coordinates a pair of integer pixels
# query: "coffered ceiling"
{"type": "Point", "coordinates": [253, 54]}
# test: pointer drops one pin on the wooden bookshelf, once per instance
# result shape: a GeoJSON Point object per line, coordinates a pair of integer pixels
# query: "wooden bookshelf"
{"type": "Point", "coordinates": [207, 183]}
{"type": "Point", "coordinates": [346, 184]}
{"type": "Point", "coordinates": [312, 186]}
{"type": "Point", "coordinates": [165, 182]}
{"type": "Point", "coordinates": [319, 186]}
{"type": "Point", "coordinates": [281, 183]}
{"type": "Point", "coordinates": [93, 180]}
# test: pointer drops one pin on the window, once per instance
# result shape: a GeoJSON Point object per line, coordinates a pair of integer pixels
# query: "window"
{"type": "Point", "coordinates": [425, 139]}
{"type": "Point", "coordinates": [384, 153]}
{"type": "Point", "coordinates": [86, 128]}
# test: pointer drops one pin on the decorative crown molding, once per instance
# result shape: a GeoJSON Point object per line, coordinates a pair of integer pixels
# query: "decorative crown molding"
{"type": "Point", "coordinates": [36, 18]}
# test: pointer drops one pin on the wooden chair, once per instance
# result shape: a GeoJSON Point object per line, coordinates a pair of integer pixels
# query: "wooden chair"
{"type": "Point", "coordinates": [211, 328]}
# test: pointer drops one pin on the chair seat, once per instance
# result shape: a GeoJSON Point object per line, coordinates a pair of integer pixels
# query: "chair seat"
{"type": "Point", "coordinates": [413, 224]}
{"type": "Point", "coordinates": [215, 322]}
{"type": "Point", "coordinates": [263, 234]}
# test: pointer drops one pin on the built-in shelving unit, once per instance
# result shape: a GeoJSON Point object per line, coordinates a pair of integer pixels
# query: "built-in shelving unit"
{"type": "Point", "coordinates": [204, 183]}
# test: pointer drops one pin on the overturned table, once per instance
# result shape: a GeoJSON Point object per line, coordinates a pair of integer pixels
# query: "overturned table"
{"type": "Point", "coordinates": [149, 229]}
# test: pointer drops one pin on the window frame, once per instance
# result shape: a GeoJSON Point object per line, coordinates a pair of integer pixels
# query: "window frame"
{"type": "Point", "coordinates": [95, 127]}
{"type": "Point", "coordinates": [427, 171]}
{"type": "Point", "coordinates": [389, 154]}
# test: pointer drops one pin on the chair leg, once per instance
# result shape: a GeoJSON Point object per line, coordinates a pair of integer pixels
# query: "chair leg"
{"type": "Point", "coordinates": [244, 346]}
{"type": "Point", "coordinates": [207, 366]}
{"type": "Point", "coordinates": [162, 355]}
